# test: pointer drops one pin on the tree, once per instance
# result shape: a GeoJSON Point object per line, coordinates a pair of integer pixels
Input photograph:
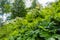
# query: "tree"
{"type": "Point", "coordinates": [4, 8]}
{"type": "Point", "coordinates": [33, 4]}
{"type": "Point", "coordinates": [37, 25]}
{"type": "Point", "coordinates": [18, 9]}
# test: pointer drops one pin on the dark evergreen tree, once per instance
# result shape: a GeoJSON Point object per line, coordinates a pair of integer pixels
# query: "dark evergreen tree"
{"type": "Point", "coordinates": [18, 9]}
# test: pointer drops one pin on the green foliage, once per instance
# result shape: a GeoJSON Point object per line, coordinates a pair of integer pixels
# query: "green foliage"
{"type": "Point", "coordinates": [18, 9]}
{"type": "Point", "coordinates": [33, 4]}
{"type": "Point", "coordinates": [5, 6]}
{"type": "Point", "coordinates": [37, 25]}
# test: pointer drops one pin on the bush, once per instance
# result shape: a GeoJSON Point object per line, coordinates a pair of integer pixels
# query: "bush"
{"type": "Point", "coordinates": [37, 25]}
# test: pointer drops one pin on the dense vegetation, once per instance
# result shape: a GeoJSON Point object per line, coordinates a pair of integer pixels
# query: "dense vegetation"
{"type": "Point", "coordinates": [37, 24]}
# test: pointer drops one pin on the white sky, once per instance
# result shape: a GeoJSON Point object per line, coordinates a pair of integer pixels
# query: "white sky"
{"type": "Point", "coordinates": [43, 2]}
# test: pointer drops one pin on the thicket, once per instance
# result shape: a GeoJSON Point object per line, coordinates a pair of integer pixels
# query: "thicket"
{"type": "Point", "coordinates": [38, 24]}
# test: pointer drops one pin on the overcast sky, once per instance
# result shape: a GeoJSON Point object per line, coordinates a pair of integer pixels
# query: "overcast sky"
{"type": "Point", "coordinates": [43, 2]}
